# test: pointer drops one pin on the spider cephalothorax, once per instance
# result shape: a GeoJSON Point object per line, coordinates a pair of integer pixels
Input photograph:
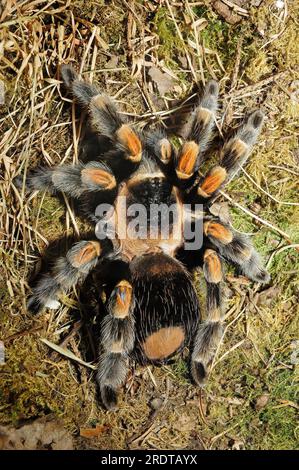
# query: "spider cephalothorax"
{"type": "Point", "coordinates": [152, 310]}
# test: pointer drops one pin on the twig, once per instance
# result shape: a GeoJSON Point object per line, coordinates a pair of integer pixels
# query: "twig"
{"type": "Point", "coordinates": [215, 438]}
{"type": "Point", "coordinates": [196, 42]}
{"type": "Point", "coordinates": [266, 192]}
{"type": "Point", "coordinates": [237, 64]}
{"type": "Point", "coordinates": [235, 346]}
{"type": "Point", "coordinates": [259, 219]}
{"type": "Point", "coordinates": [251, 88]}
{"type": "Point", "coordinates": [280, 250]}
{"type": "Point", "coordinates": [20, 334]}
{"type": "Point", "coordinates": [67, 353]}
{"type": "Point", "coordinates": [54, 356]}
{"type": "Point", "coordinates": [149, 425]}
{"type": "Point", "coordinates": [71, 214]}
{"type": "Point", "coordinates": [284, 168]}
{"type": "Point", "coordinates": [182, 41]}
{"type": "Point", "coordinates": [200, 408]}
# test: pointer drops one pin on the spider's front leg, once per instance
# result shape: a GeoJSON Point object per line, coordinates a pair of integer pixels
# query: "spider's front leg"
{"type": "Point", "coordinates": [104, 116]}
{"type": "Point", "coordinates": [66, 273]}
{"type": "Point", "coordinates": [209, 333]}
{"type": "Point", "coordinates": [117, 341]}
{"type": "Point", "coordinates": [73, 180]}
{"type": "Point", "coordinates": [233, 156]}
{"type": "Point", "coordinates": [198, 132]}
{"type": "Point", "coordinates": [182, 166]}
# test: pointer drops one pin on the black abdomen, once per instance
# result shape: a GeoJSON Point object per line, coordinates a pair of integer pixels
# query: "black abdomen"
{"type": "Point", "coordinates": [166, 307]}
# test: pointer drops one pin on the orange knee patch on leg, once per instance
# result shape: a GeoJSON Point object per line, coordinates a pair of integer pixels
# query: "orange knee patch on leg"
{"type": "Point", "coordinates": [216, 230]}
{"type": "Point", "coordinates": [204, 116]}
{"type": "Point", "coordinates": [246, 252]}
{"type": "Point", "coordinates": [88, 253]}
{"type": "Point", "coordinates": [214, 314]}
{"type": "Point", "coordinates": [124, 293]}
{"type": "Point", "coordinates": [101, 101]}
{"type": "Point", "coordinates": [236, 149]}
{"type": "Point", "coordinates": [98, 176]}
{"type": "Point", "coordinates": [212, 181]}
{"type": "Point", "coordinates": [187, 160]}
{"type": "Point", "coordinates": [163, 342]}
{"type": "Point", "coordinates": [129, 139]}
{"type": "Point", "coordinates": [166, 150]}
{"type": "Point", "coordinates": [117, 347]}
{"type": "Point", "coordinates": [212, 263]}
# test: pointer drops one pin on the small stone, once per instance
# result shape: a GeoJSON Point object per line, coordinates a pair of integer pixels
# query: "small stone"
{"type": "Point", "coordinates": [279, 4]}
{"type": "Point", "coordinates": [156, 403]}
{"type": "Point", "coordinates": [261, 401]}
{"type": "Point", "coordinates": [53, 304]}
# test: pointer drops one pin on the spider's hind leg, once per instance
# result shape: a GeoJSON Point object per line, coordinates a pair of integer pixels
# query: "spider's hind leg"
{"type": "Point", "coordinates": [236, 248]}
{"type": "Point", "coordinates": [209, 333]}
{"type": "Point", "coordinates": [117, 340]}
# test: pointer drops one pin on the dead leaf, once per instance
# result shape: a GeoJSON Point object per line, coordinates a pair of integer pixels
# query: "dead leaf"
{"type": "Point", "coordinates": [43, 433]}
{"type": "Point", "coordinates": [156, 403]}
{"type": "Point", "coordinates": [232, 10]}
{"type": "Point", "coordinates": [163, 81]}
{"type": "Point", "coordinates": [261, 401]}
{"type": "Point", "coordinates": [200, 24]}
{"type": "Point", "coordinates": [101, 41]}
{"type": "Point", "coordinates": [66, 352]}
{"type": "Point", "coordinates": [185, 423]}
{"type": "Point", "coordinates": [255, 207]}
{"type": "Point", "coordinates": [182, 59]}
{"type": "Point", "coordinates": [266, 297]}
{"type": "Point", "coordinates": [237, 444]}
{"type": "Point", "coordinates": [112, 62]}
{"type": "Point", "coordinates": [226, 13]}
{"type": "Point", "coordinates": [178, 90]}
{"type": "Point", "coordinates": [93, 432]}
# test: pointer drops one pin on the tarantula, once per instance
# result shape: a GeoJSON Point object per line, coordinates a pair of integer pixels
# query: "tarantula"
{"type": "Point", "coordinates": [152, 309]}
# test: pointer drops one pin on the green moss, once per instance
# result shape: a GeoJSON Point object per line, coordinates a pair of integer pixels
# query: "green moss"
{"type": "Point", "coordinates": [274, 425]}
{"type": "Point", "coordinates": [219, 36]}
{"type": "Point", "coordinates": [164, 27]}
{"type": "Point", "coordinates": [51, 214]}
{"type": "Point", "coordinates": [279, 422]}
{"type": "Point", "coordinates": [200, 10]}
{"type": "Point", "coordinates": [180, 370]}
{"type": "Point", "coordinates": [223, 38]}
